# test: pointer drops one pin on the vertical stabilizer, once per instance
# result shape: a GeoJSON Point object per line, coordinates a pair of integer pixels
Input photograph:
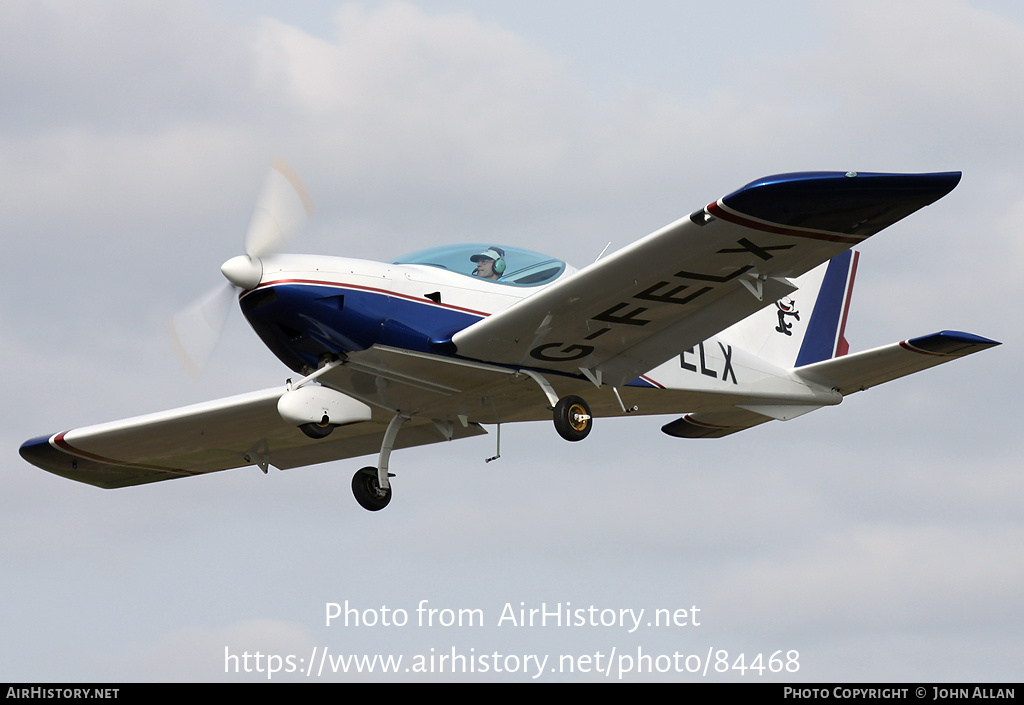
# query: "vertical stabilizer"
{"type": "Point", "coordinates": [808, 326]}
{"type": "Point", "coordinates": [825, 336]}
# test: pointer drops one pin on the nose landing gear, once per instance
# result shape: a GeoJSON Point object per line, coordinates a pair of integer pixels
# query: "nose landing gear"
{"type": "Point", "coordinates": [368, 492]}
{"type": "Point", "coordinates": [370, 485]}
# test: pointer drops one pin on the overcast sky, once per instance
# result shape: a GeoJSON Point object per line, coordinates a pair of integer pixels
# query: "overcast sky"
{"type": "Point", "coordinates": [880, 540]}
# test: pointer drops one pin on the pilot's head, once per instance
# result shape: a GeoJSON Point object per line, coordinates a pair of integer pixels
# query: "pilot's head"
{"type": "Point", "coordinates": [490, 264]}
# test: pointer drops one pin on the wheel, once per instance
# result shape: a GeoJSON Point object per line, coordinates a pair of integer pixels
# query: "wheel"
{"type": "Point", "coordinates": [317, 430]}
{"type": "Point", "coordinates": [572, 418]}
{"type": "Point", "coordinates": [367, 490]}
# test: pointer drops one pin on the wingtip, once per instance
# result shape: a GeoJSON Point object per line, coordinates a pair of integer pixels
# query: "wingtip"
{"type": "Point", "coordinates": [949, 342]}
{"type": "Point", "coordinates": [40, 451]}
{"type": "Point", "coordinates": [31, 448]}
{"type": "Point", "coordinates": [850, 203]}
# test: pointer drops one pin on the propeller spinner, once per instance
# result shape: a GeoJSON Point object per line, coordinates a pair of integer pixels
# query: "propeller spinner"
{"type": "Point", "coordinates": [281, 210]}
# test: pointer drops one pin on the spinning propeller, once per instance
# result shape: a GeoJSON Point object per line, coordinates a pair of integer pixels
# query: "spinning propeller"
{"type": "Point", "coordinates": [281, 210]}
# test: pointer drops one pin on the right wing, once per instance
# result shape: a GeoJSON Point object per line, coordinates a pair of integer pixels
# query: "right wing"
{"type": "Point", "coordinates": [217, 435]}
{"type": "Point", "coordinates": [635, 309]}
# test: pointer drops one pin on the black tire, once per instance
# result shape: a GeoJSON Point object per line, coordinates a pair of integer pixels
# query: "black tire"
{"type": "Point", "coordinates": [367, 490]}
{"type": "Point", "coordinates": [315, 430]}
{"type": "Point", "coordinates": [572, 418]}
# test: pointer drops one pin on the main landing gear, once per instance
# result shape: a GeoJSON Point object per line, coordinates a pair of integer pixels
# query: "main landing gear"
{"type": "Point", "coordinates": [370, 485]}
{"type": "Point", "coordinates": [317, 431]}
{"type": "Point", "coordinates": [572, 418]}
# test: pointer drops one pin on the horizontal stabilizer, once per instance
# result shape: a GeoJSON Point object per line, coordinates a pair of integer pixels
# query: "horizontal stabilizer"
{"type": "Point", "coordinates": [780, 412]}
{"type": "Point", "coordinates": [860, 371]}
{"type": "Point", "coordinates": [846, 375]}
{"type": "Point", "coordinates": [714, 424]}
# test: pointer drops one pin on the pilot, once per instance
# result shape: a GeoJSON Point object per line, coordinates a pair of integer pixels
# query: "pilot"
{"type": "Point", "coordinates": [490, 264]}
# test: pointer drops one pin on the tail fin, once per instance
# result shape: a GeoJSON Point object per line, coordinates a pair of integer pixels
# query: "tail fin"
{"type": "Point", "coordinates": [825, 337]}
{"type": "Point", "coordinates": [809, 325]}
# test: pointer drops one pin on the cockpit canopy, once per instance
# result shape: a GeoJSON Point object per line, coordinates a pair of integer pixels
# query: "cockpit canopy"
{"type": "Point", "coordinates": [513, 266]}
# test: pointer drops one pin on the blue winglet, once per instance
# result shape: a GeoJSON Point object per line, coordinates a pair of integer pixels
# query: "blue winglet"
{"type": "Point", "coordinates": [852, 203]}
{"type": "Point", "coordinates": [949, 342]}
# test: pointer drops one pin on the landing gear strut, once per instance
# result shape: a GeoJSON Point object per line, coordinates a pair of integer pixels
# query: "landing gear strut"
{"type": "Point", "coordinates": [572, 418]}
{"type": "Point", "coordinates": [368, 492]}
{"type": "Point", "coordinates": [370, 485]}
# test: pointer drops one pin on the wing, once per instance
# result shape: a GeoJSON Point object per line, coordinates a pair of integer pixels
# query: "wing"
{"type": "Point", "coordinates": [628, 313]}
{"type": "Point", "coordinates": [218, 435]}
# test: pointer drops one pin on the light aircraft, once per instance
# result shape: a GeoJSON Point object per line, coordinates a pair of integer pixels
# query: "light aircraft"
{"type": "Point", "coordinates": [732, 316]}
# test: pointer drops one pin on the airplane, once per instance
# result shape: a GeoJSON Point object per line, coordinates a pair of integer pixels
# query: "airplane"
{"type": "Point", "coordinates": [730, 317]}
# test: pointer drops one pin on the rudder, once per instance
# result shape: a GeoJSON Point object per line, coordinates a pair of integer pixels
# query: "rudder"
{"type": "Point", "coordinates": [825, 337]}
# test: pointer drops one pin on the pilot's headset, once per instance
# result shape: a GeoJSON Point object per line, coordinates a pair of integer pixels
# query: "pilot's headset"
{"type": "Point", "coordinates": [497, 254]}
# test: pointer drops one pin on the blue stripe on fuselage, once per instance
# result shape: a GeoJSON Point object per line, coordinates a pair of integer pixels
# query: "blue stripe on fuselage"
{"type": "Point", "coordinates": [300, 322]}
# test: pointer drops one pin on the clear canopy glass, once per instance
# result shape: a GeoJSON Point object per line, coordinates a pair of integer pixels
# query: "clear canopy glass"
{"type": "Point", "coordinates": [513, 266]}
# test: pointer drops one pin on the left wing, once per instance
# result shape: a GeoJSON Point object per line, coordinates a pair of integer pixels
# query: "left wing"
{"type": "Point", "coordinates": [631, 311]}
{"type": "Point", "coordinates": [217, 435]}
